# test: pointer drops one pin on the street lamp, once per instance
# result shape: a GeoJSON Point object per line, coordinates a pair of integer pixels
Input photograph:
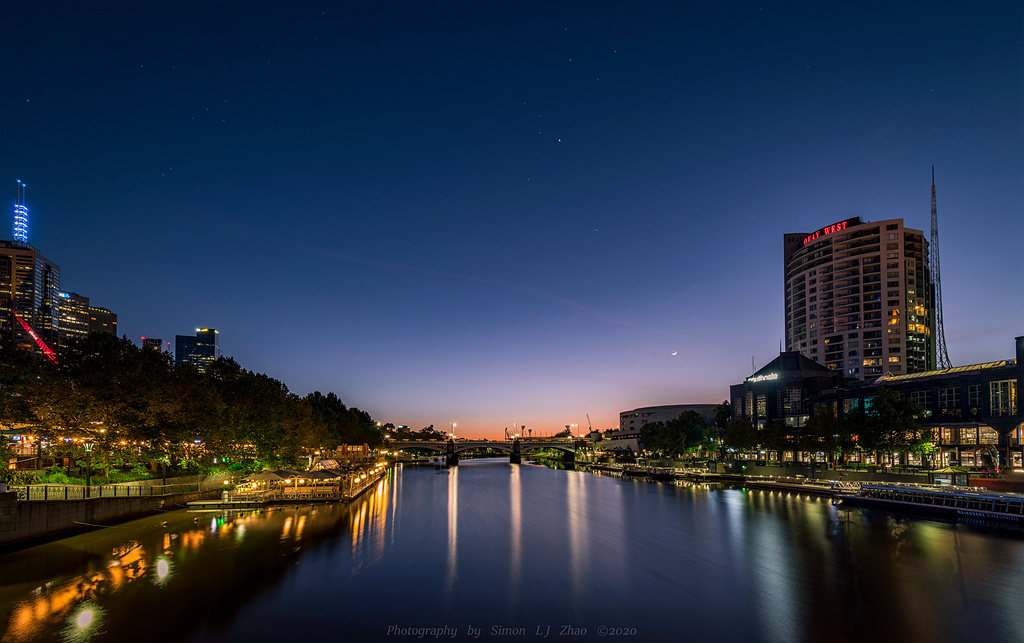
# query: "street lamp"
{"type": "Point", "coordinates": [88, 465]}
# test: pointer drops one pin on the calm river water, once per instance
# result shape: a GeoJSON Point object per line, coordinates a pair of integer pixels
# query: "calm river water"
{"type": "Point", "coordinates": [505, 552]}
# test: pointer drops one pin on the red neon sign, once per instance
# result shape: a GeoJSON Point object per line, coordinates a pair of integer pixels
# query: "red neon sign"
{"type": "Point", "coordinates": [39, 340]}
{"type": "Point", "coordinates": [829, 229]}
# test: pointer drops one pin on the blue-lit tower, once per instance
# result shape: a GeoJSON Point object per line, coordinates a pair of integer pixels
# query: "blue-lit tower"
{"type": "Point", "coordinates": [20, 216]}
{"type": "Point", "coordinates": [29, 286]}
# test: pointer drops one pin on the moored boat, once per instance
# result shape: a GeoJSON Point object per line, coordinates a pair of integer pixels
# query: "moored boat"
{"type": "Point", "coordinates": [661, 473]}
{"type": "Point", "coordinates": [633, 470]}
{"type": "Point", "coordinates": [961, 502]}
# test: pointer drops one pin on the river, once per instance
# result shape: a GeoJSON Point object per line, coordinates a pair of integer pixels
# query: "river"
{"type": "Point", "coordinates": [496, 551]}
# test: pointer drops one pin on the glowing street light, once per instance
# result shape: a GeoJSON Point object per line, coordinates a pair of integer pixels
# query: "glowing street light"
{"type": "Point", "coordinates": [88, 465]}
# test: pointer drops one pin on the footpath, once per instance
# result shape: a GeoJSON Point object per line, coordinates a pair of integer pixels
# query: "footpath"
{"type": "Point", "coordinates": [53, 512]}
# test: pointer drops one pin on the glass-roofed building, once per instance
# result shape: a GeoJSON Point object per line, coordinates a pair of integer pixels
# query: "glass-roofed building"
{"type": "Point", "coordinates": [970, 409]}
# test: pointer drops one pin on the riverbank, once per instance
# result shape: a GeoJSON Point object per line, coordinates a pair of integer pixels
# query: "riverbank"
{"type": "Point", "coordinates": [24, 523]}
{"type": "Point", "coordinates": [33, 514]}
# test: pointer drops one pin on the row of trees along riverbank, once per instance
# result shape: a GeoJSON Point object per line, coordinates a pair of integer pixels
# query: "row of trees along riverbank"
{"type": "Point", "coordinates": [888, 425]}
{"type": "Point", "coordinates": [137, 407]}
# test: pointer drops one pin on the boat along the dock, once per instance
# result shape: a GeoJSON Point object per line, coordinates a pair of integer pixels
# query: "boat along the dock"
{"type": "Point", "coordinates": [661, 473]}
{"type": "Point", "coordinates": [633, 470]}
{"type": "Point", "coordinates": [961, 502]}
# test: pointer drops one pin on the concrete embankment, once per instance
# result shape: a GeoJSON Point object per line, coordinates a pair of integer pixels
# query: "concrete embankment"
{"type": "Point", "coordinates": [26, 522]}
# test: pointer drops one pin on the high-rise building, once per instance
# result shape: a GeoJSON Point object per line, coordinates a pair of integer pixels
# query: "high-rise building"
{"type": "Point", "coordinates": [153, 343]}
{"type": "Point", "coordinates": [102, 320]}
{"type": "Point", "coordinates": [29, 283]}
{"type": "Point", "coordinates": [198, 351]}
{"type": "Point", "coordinates": [74, 316]}
{"type": "Point", "coordinates": [859, 298]}
{"type": "Point", "coordinates": [78, 318]}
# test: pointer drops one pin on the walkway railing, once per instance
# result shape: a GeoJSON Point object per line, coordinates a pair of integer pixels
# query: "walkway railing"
{"type": "Point", "coordinates": [345, 489]}
{"type": "Point", "coordinates": [37, 492]}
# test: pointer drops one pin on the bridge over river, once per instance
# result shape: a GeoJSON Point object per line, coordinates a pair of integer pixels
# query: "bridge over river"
{"type": "Point", "coordinates": [515, 448]}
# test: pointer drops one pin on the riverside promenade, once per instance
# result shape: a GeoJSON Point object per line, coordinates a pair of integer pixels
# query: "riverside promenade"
{"type": "Point", "coordinates": [30, 514]}
{"type": "Point", "coordinates": [38, 512]}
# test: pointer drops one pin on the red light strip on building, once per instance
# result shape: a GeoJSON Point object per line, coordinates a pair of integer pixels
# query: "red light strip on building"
{"type": "Point", "coordinates": [39, 340]}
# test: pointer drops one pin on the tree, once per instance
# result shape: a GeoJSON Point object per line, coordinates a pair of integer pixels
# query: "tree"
{"type": "Point", "coordinates": [825, 432]}
{"type": "Point", "coordinates": [723, 412]}
{"type": "Point", "coordinates": [429, 433]}
{"type": "Point", "coordinates": [740, 435]}
{"type": "Point", "coordinates": [17, 371]}
{"type": "Point", "coordinates": [684, 434]}
{"type": "Point", "coordinates": [691, 429]}
{"type": "Point", "coordinates": [138, 407]}
{"type": "Point", "coordinates": [253, 419]}
{"type": "Point", "coordinates": [654, 439]}
{"type": "Point", "coordinates": [6, 453]}
{"type": "Point", "coordinates": [891, 424]}
{"type": "Point", "coordinates": [776, 437]}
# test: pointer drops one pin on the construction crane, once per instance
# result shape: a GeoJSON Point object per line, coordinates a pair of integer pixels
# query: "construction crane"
{"type": "Point", "coordinates": [39, 340]}
{"type": "Point", "coordinates": [941, 355]}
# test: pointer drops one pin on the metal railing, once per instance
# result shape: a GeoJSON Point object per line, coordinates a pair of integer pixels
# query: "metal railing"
{"type": "Point", "coordinates": [37, 492]}
{"type": "Point", "coordinates": [345, 488]}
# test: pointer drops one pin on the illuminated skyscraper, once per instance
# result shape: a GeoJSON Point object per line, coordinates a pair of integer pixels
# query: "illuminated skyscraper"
{"type": "Point", "coordinates": [78, 318]}
{"type": "Point", "coordinates": [859, 298]}
{"type": "Point", "coordinates": [29, 284]}
{"type": "Point", "coordinates": [74, 316]}
{"type": "Point", "coordinates": [198, 351]}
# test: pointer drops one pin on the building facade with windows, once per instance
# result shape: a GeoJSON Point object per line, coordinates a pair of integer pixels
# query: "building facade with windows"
{"type": "Point", "coordinates": [634, 420]}
{"type": "Point", "coordinates": [859, 298]}
{"type": "Point", "coordinates": [783, 390]}
{"type": "Point", "coordinates": [78, 318]}
{"type": "Point", "coordinates": [74, 316]}
{"type": "Point", "coordinates": [29, 287]}
{"type": "Point", "coordinates": [197, 351]}
{"type": "Point", "coordinates": [102, 320]}
{"type": "Point", "coordinates": [153, 343]}
{"type": "Point", "coordinates": [969, 409]}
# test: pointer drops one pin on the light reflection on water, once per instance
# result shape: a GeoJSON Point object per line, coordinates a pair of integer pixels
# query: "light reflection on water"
{"type": "Point", "coordinates": [490, 544]}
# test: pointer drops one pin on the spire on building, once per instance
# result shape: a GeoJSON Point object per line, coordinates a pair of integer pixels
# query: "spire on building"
{"type": "Point", "coordinates": [20, 231]}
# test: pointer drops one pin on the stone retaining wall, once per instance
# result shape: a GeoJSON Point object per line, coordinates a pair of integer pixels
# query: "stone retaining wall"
{"type": "Point", "coordinates": [57, 518]}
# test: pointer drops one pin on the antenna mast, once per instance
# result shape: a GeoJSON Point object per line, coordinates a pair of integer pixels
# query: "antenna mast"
{"type": "Point", "coordinates": [941, 355]}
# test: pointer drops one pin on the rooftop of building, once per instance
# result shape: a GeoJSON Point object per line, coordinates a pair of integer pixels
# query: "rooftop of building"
{"type": "Point", "coordinates": [889, 377]}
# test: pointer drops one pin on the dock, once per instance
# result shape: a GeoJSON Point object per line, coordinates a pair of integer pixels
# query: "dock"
{"type": "Point", "coordinates": [285, 495]}
{"type": "Point", "coordinates": [792, 485]}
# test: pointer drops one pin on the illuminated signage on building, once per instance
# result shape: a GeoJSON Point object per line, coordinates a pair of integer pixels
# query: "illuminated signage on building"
{"type": "Point", "coordinates": [763, 378]}
{"type": "Point", "coordinates": [829, 229]}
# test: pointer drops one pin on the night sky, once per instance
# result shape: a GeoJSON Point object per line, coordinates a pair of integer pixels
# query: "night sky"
{"type": "Point", "coordinates": [498, 213]}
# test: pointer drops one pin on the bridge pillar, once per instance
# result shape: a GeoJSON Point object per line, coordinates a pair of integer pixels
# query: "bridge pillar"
{"type": "Point", "coordinates": [517, 455]}
{"type": "Point", "coordinates": [450, 457]}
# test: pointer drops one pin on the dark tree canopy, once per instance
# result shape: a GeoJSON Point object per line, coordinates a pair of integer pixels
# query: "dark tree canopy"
{"type": "Point", "coordinates": [137, 405]}
{"type": "Point", "coordinates": [684, 434]}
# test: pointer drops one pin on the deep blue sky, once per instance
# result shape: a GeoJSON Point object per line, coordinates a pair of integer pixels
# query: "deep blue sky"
{"type": "Point", "coordinates": [506, 212]}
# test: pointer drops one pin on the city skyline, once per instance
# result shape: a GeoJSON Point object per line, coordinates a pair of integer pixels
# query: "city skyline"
{"type": "Point", "coordinates": [507, 213]}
